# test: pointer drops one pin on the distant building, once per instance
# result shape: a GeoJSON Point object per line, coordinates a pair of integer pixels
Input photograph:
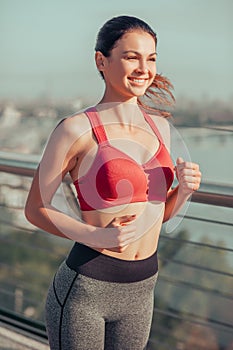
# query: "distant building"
{"type": "Point", "coordinates": [10, 116]}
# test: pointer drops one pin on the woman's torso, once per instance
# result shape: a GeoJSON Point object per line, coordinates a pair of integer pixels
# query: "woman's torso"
{"type": "Point", "coordinates": [140, 143]}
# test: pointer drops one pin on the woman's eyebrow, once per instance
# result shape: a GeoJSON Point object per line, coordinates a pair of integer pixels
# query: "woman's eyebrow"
{"type": "Point", "coordinates": [138, 53]}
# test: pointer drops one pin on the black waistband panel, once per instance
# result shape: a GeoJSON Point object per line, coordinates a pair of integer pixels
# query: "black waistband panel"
{"type": "Point", "coordinates": [91, 263]}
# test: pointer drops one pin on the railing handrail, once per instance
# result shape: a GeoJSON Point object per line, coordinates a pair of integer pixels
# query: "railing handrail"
{"type": "Point", "coordinates": [28, 168]}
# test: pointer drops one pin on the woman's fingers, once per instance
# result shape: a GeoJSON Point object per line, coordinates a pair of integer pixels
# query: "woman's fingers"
{"type": "Point", "coordinates": [188, 175]}
{"type": "Point", "coordinates": [122, 220]}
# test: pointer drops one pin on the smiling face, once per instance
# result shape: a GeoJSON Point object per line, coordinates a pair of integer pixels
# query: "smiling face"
{"type": "Point", "coordinates": [131, 67]}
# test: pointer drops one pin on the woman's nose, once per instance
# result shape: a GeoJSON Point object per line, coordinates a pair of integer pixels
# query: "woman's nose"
{"type": "Point", "coordinates": [142, 67]}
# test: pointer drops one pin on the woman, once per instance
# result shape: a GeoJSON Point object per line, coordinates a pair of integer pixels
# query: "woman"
{"type": "Point", "coordinates": [117, 155]}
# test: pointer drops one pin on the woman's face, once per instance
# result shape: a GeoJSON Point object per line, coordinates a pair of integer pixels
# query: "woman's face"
{"type": "Point", "coordinates": [131, 67]}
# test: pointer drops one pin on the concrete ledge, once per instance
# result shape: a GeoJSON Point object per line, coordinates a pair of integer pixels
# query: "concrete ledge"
{"type": "Point", "coordinates": [12, 340]}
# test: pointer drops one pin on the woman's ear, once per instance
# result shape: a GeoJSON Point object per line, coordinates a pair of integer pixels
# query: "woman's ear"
{"type": "Point", "coordinates": [100, 61]}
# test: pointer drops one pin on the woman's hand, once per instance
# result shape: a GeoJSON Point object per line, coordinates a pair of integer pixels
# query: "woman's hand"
{"type": "Point", "coordinates": [117, 235]}
{"type": "Point", "coordinates": [188, 176]}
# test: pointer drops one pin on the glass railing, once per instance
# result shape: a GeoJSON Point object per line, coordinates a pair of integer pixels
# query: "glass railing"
{"type": "Point", "coordinates": [193, 297]}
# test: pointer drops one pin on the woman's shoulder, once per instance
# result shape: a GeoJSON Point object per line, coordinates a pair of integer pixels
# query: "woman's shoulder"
{"type": "Point", "coordinates": [75, 124]}
{"type": "Point", "coordinates": [159, 119]}
{"type": "Point", "coordinates": [72, 132]}
{"type": "Point", "coordinates": [162, 124]}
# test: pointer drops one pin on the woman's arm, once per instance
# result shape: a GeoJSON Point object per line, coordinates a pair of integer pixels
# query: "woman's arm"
{"type": "Point", "coordinates": [60, 157]}
{"type": "Point", "coordinates": [189, 178]}
{"type": "Point", "coordinates": [187, 173]}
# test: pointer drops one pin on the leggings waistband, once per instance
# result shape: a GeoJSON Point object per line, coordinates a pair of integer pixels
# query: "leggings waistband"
{"type": "Point", "coordinates": [94, 264]}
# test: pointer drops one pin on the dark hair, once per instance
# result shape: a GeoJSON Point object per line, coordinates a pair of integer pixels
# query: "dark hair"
{"type": "Point", "coordinates": [159, 92]}
{"type": "Point", "coordinates": [115, 28]}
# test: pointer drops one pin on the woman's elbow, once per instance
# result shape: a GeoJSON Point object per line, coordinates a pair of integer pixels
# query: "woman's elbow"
{"type": "Point", "coordinates": [31, 212]}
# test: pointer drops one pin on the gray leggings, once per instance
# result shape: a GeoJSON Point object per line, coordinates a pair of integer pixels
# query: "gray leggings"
{"type": "Point", "coordinates": [84, 313]}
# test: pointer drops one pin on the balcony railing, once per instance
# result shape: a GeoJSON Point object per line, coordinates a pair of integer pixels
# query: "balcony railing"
{"type": "Point", "coordinates": [193, 298]}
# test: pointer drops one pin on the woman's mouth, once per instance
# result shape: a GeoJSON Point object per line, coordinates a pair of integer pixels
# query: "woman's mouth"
{"type": "Point", "coordinates": [137, 80]}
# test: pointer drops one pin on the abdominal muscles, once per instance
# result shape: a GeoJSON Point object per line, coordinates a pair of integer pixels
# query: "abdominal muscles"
{"type": "Point", "coordinates": [146, 216]}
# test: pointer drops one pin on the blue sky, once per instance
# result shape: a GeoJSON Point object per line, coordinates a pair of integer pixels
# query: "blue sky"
{"type": "Point", "coordinates": [47, 46]}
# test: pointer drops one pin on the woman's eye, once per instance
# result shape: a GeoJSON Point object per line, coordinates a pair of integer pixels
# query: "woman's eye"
{"type": "Point", "coordinates": [153, 59]}
{"type": "Point", "coordinates": [131, 58]}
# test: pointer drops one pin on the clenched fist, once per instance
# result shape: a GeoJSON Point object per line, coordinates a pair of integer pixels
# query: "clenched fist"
{"type": "Point", "coordinates": [188, 176]}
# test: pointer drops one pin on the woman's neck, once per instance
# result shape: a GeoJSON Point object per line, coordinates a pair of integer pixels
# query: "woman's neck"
{"type": "Point", "coordinates": [112, 96]}
{"type": "Point", "coordinates": [125, 113]}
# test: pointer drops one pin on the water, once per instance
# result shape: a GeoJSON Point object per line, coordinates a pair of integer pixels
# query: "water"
{"type": "Point", "coordinates": [212, 150]}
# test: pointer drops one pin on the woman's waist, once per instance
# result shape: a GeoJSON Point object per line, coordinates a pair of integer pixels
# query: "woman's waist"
{"type": "Point", "coordinates": [141, 249]}
{"type": "Point", "coordinates": [94, 264]}
{"type": "Point", "coordinates": [148, 224]}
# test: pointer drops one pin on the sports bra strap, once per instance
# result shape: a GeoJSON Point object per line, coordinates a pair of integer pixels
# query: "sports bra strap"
{"type": "Point", "coordinates": [99, 131]}
{"type": "Point", "coordinates": [96, 124]}
{"type": "Point", "coordinates": [153, 126]}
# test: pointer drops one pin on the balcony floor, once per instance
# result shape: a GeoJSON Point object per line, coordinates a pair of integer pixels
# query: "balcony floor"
{"type": "Point", "coordinates": [11, 340]}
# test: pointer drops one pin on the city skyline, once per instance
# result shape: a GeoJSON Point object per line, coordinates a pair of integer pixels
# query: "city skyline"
{"type": "Point", "coordinates": [48, 47]}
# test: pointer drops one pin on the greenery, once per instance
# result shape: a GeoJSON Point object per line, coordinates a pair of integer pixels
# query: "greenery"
{"type": "Point", "coordinates": [28, 262]}
{"type": "Point", "coordinates": [185, 294]}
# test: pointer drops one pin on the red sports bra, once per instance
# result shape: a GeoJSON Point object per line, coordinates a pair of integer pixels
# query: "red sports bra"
{"type": "Point", "coordinates": [115, 178]}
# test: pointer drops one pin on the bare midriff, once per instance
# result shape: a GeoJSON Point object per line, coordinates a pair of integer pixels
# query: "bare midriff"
{"type": "Point", "coordinates": [143, 247]}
